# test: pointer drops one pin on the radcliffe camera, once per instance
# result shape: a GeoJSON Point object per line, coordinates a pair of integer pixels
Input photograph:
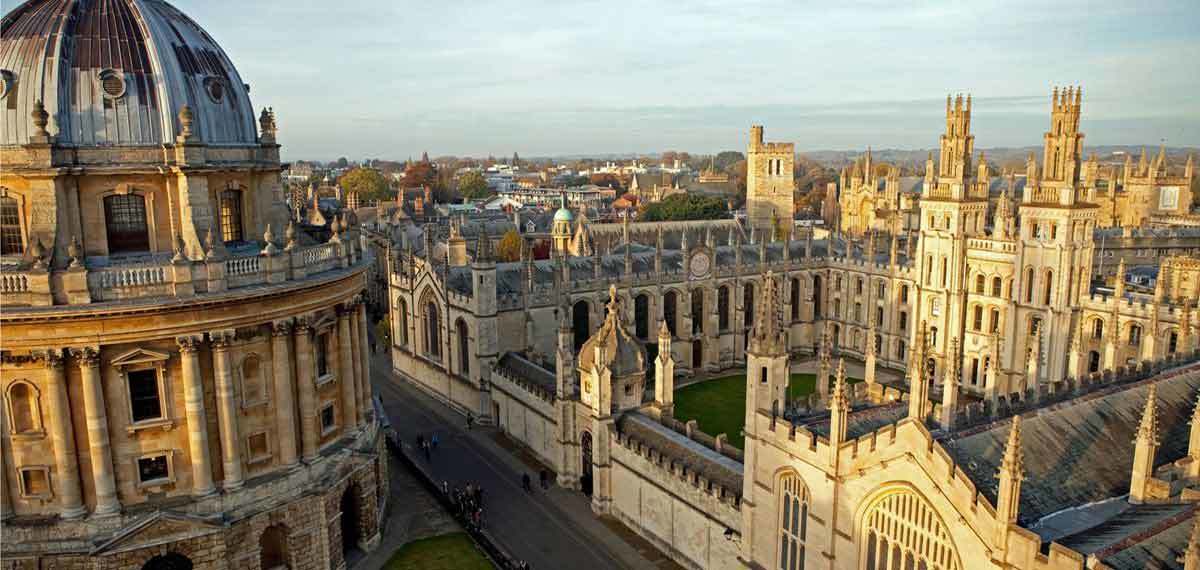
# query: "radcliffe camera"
{"type": "Point", "coordinates": [568, 286]}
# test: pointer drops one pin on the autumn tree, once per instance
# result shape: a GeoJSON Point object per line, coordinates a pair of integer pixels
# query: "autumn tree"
{"type": "Point", "coordinates": [367, 182]}
{"type": "Point", "coordinates": [473, 186]}
{"type": "Point", "coordinates": [684, 207]}
{"type": "Point", "coordinates": [509, 247]}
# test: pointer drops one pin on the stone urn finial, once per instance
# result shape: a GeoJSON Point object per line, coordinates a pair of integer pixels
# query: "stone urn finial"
{"type": "Point", "coordinates": [210, 249]}
{"type": "Point", "coordinates": [38, 253]}
{"type": "Point", "coordinates": [269, 237]}
{"type": "Point", "coordinates": [75, 252]}
{"type": "Point", "coordinates": [290, 235]}
{"type": "Point", "coordinates": [185, 121]}
{"type": "Point", "coordinates": [179, 246]}
{"type": "Point", "coordinates": [40, 119]}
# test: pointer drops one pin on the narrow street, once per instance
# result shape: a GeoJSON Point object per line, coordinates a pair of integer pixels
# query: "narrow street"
{"type": "Point", "coordinates": [548, 529]}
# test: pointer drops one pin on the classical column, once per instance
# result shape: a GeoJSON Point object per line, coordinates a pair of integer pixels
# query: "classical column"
{"type": "Point", "coordinates": [6, 510]}
{"type": "Point", "coordinates": [356, 348]}
{"type": "Point", "coordinates": [285, 397]}
{"type": "Point", "coordinates": [346, 370]}
{"type": "Point", "coordinates": [97, 426]}
{"type": "Point", "coordinates": [227, 420]}
{"type": "Point", "coordinates": [62, 434]}
{"type": "Point", "coordinates": [197, 419]}
{"type": "Point", "coordinates": [306, 385]}
{"type": "Point", "coordinates": [365, 335]}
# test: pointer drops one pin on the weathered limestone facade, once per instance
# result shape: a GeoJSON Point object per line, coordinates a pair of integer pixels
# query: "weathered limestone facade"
{"type": "Point", "coordinates": [770, 182]}
{"type": "Point", "coordinates": [178, 393]}
{"type": "Point", "coordinates": [990, 307]}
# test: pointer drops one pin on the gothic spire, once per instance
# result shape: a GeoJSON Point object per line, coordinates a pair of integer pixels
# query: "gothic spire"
{"type": "Point", "coordinates": [766, 335]}
{"type": "Point", "coordinates": [1012, 472]}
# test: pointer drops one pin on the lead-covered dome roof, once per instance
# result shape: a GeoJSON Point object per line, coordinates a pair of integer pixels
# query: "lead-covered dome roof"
{"type": "Point", "coordinates": [116, 73]}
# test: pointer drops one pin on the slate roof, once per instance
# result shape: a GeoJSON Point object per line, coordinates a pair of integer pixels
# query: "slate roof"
{"type": "Point", "coordinates": [517, 366]}
{"type": "Point", "coordinates": [1080, 451]}
{"type": "Point", "coordinates": [696, 457]}
{"type": "Point", "coordinates": [864, 420]}
{"type": "Point", "coordinates": [1163, 547]}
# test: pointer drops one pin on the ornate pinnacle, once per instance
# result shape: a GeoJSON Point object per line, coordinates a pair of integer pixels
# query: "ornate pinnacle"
{"type": "Point", "coordinates": [269, 237]}
{"type": "Point", "coordinates": [290, 235]}
{"type": "Point", "coordinates": [178, 246]}
{"type": "Point", "coordinates": [38, 253]}
{"type": "Point", "coordinates": [1014, 461]}
{"type": "Point", "coordinates": [1148, 429]}
{"type": "Point", "coordinates": [75, 252]}
{"type": "Point", "coordinates": [210, 250]}
{"type": "Point", "coordinates": [841, 400]}
{"type": "Point", "coordinates": [614, 305]}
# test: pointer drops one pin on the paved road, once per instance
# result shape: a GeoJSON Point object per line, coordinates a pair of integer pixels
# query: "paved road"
{"type": "Point", "coordinates": [548, 529]}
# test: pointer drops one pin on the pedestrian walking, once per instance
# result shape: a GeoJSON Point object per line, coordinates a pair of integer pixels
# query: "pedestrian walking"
{"type": "Point", "coordinates": [470, 420]}
{"type": "Point", "coordinates": [479, 496]}
{"type": "Point", "coordinates": [525, 482]}
{"type": "Point", "coordinates": [446, 488]}
{"type": "Point", "coordinates": [425, 446]}
{"type": "Point", "coordinates": [433, 440]}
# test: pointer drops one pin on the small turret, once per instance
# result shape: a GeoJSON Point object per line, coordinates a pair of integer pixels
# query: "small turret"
{"type": "Point", "coordinates": [839, 412]}
{"type": "Point", "coordinates": [1141, 483]}
{"type": "Point", "coordinates": [1008, 493]}
{"type": "Point", "coordinates": [664, 372]}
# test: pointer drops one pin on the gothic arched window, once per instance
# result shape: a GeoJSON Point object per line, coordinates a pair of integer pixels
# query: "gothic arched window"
{"type": "Point", "coordinates": [641, 316]}
{"type": "Point", "coordinates": [670, 300]}
{"type": "Point", "coordinates": [793, 522]}
{"type": "Point", "coordinates": [748, 304]}
{"type": "Point", "coordinates": [1135, 335]}
{"type": "Point", "coordinates": [433, 340]}
{"type": "Point", "coordinates": [464, 347]}
{"type": "Point", "coordinates": [723, 308]}
{"type": "Point", "coordinates": [995, 286]}
{"type": "Point", "coordinates": [1098, 329]}
{"type": "Point", "coordinates": [903, 531]}
{"type": "Point", "coordinates": [698, 311]}
{"type": "Point", "coordinates": [795, 299]}
{"type": "Point", "coordinates": [402, 322]}
{"type": "Point", "coordinates": [125, 223]}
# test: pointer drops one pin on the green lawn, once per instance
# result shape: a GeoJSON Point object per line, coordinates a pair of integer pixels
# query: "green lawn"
{"type": "Point", "coordinates": [719, 405]}
{"type": "Point", "coordinates": [453, 551]}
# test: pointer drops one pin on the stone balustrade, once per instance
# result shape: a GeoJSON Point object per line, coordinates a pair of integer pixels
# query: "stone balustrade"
{"type": "Point", "coordinates": [166, 277]}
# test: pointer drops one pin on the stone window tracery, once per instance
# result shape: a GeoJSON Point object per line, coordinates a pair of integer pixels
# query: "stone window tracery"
{"type": "Point", "coordinates": [793, 522]}
{"type": "Point", "coordinates": [903, 531]}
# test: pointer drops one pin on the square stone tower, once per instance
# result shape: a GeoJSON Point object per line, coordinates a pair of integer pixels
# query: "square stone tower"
{"type": "Point", "coordinates": [769, 180]}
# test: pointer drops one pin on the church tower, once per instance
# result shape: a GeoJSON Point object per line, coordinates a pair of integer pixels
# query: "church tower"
{"type": "Point", "coordinates": [953, 209]}
{"type": "Point", "coordinates": [769, 181]}
{"type": "Point", "coordinates": [1055, 247]}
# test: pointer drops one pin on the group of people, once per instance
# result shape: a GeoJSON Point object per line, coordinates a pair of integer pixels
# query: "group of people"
{"type": "Point", "coordinates": [544, 480]}
{"type": "Point", "coordinates": [427, 446]}
{"type": "Point", "coordinates": [467, 503]}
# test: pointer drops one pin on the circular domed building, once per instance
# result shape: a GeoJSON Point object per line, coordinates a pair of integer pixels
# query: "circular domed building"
{"type": "Point", "coordinates": [184, 369]}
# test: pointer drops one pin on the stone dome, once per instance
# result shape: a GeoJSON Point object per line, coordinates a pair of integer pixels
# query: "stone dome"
{"type": "Point", "coordinates": [563, 215]}
{"type": "Point", "coordinates": [116, 73]}
{"type": "Point", "coordinates": [619, 350]}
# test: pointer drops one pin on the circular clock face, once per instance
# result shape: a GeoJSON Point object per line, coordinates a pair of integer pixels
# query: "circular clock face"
{"type": "Point", "coordinates": [700, 264]}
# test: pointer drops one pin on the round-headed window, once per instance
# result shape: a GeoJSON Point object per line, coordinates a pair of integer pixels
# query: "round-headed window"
{"type": "Point", "coordinates": [112, 83]}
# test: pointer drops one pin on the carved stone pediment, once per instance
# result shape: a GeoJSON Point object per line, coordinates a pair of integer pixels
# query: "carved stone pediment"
{"type": "Point", "coordinates": [157, 528]}
{"type": "Point", "coordinates": [139, 356]}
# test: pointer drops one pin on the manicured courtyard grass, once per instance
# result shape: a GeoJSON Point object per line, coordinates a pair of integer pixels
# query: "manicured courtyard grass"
{"type": "Point", "coordinates": [453, 551]}
{"type": "Point", "coordinates": [719, 405]}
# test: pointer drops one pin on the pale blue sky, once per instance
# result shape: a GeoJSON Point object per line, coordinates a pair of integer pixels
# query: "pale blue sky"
{"type": "Point", "coordinates": [390, 79]}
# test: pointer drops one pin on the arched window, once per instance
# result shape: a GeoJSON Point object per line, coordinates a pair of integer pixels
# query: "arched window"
{"type": "Point", "coordinates": [231, 216]}
{"type": "Point", "coordinates": [904, 293]}
{"type": "Point", "coordinates": [581, 325]}
{"type": "Point", "coordinates": [1135, 335]}
{"type": "Point", "coordinates": [1048, 288]}
{"type": "Point", "coordinates": [24, 408]}
{"type": "Point", "coordinates": [795, 299]}
{"type": "Point", "coordinates": [977, 319]}
{"type": "Point", "coordinates": [12, 240]}
{"type": "Point", "coordinates": [1172, 342]}
{"type": "Point", "coordinates": [996, 286]}
{"type": "Point", "coordinates": [1093, 361]}
{"type": "Point", "coordinates": [670, 300]}
{"type": "Point", "coordinates": [272, 548]}
{"type": "Point", "coordinates": [974, 371]}
{"type": "Point", "coordinates": [748, 304]}
{"type": "Point", "coordinates": [1028, 284]}
{"type": "Point", "coordinates": [1098, 329]}
{"type": "Point", "coordinates": [253, 389]}
{"type": "Point", "coordinates": [900, 349]}
{"type": "Point", "coordinates": [433, 339]}
{"type": "Point", "coordinates": [641, 316]}
{"type": "Point", "coordinates": [979, 284]}
{"type": "Point", "coordinates": [793, 522]}
{"type": "Point", "coordinates": [837, 308]}
{"type": "Point", "coordinates": [945, 271]}
{"type": "Point", "coordinates": [995, 322]}
{"type": "Point", "coordinates": [878, 315]}
{"type": "Point", "coordinates": [858, 316]}
{"type": "Point", "coordinates": [904, 532]}
{"type": "Point", "coordinates": [933, 336]}
{"type": "Point", "coordinates": [402, 321]}
{"type": "Point", "coordinates": [858, 286]}
{"type": "Point", "coordinates": [125, 223]}
{"type": "Point", "coordinates": [698, 311]}
{"type": "Point", "coordinates": [903, 320]}
{"type": "Point", "coordinates": [464, 347]}
{"type": "Point", "coordinates": [816, 290]}
{"type": "Point", "coordinates": [723, 308]}
{"type": "Point", "coordinates": [169, 561]}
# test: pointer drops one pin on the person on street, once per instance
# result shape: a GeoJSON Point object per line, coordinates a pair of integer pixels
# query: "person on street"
{"type": "Point", "coordinates": [470, 420]}
{"type": "Point", "coordinates": [525, 482]}
{"type": "Point", "coordinates": [544, 477]}
{"type": "Point", "coordinates": [433, 440]}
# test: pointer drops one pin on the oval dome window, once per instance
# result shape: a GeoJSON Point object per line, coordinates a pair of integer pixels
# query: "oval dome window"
{"type": "Point", "coordinates": [112, 83]}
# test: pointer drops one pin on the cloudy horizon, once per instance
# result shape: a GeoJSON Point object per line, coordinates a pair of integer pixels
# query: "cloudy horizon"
{"type": "Point", "coordinates": [375, 79]}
